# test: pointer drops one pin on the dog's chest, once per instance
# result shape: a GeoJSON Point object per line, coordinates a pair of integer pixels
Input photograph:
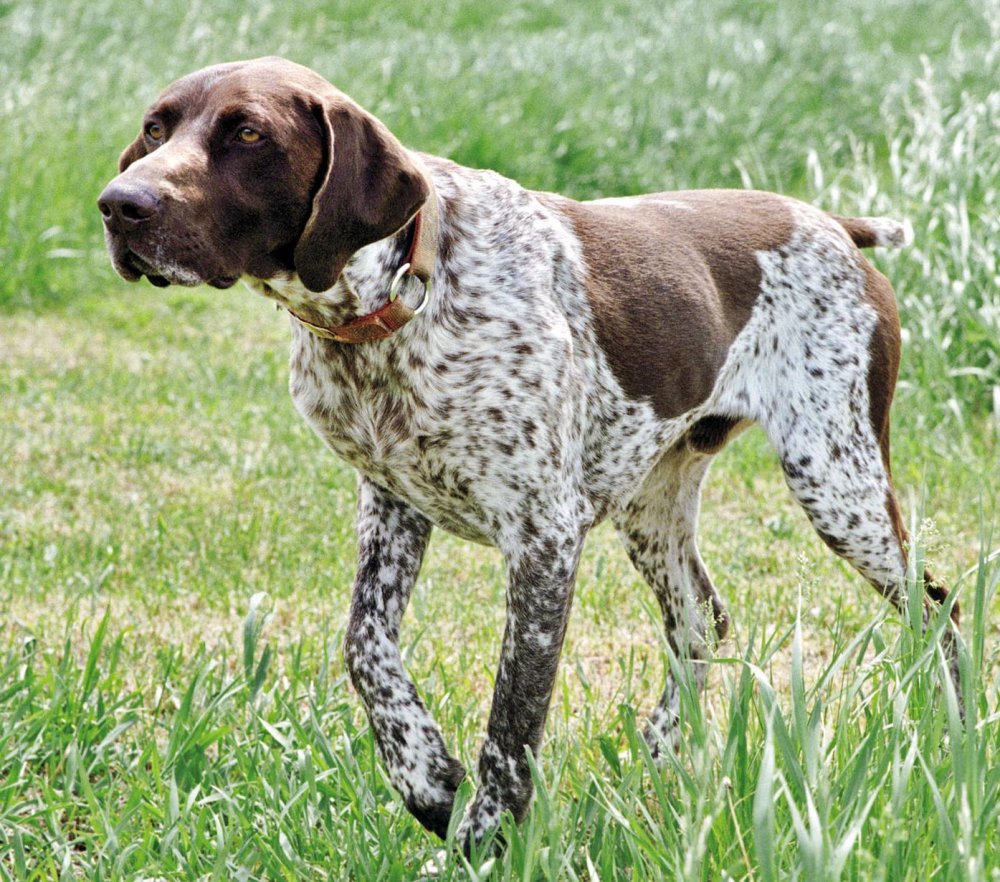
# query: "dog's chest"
{"type": "Point", "coordinates": [415, 437]}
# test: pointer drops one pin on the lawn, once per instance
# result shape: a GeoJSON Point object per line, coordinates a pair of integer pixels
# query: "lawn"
{"type": "Point", "coordinates": [176, 547]}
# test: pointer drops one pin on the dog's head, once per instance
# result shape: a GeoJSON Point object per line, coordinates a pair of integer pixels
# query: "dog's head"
{"type": "Point", "coordinates": [255, 168]}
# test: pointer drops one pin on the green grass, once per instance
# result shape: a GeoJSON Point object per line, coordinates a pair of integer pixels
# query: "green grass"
{"type": "Point", "coordinates": [176, 549]}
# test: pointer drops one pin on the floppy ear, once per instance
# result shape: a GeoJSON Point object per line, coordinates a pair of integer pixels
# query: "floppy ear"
{"type": "Point", "coordinates": [135, 150]}
{"type": "Point", "coordinates": [370, 189]}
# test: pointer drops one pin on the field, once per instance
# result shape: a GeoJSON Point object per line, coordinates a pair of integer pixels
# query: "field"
{"type": "Point", "coordinates": [176, 547]}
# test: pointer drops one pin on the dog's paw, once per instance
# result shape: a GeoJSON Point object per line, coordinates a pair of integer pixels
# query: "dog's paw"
{"type": "Point", "coordinates": [480, 826]}
{"type": "Point", "coordinates": [435, 816]}
{"type": "Point", "coordinates": [432, 817]}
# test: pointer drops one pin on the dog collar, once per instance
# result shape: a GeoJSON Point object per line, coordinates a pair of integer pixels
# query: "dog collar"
{"type": "Point", "coordinates": [395, 313]}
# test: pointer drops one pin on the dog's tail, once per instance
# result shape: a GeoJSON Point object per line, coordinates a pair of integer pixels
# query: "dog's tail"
{"type": "Point", "coordinates": [869, 232]}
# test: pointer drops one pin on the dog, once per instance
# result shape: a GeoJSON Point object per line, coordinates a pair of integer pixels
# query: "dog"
{"type": "Point", "coordinates": [514, 367]}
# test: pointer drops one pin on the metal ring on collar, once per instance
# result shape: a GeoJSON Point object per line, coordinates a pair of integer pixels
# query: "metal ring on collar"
{"type": "Point", "coordinates": [397, 280]}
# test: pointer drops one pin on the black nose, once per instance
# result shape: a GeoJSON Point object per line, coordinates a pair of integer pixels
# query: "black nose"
{"type": "Point", "coordinates": [125, 205]}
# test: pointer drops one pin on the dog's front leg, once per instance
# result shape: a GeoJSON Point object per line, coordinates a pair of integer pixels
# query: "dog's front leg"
{"type": "Point", "coordinates": [541, 574]}
{"type": "Point", "coordinates": [392, 537]}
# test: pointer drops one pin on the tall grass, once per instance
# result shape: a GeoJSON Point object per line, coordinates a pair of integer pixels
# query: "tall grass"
{"type": "Point", "coordinates": [214, 767]}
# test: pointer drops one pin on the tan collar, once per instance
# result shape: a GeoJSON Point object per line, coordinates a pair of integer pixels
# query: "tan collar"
{"type": "Point", "coordinates": [390, 317]}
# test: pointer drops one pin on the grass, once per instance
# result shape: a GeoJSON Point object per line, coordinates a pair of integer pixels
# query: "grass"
{"type": "Point", "coordinates": [176, 550]}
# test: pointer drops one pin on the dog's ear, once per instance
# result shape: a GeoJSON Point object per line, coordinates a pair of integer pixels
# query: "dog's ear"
{"type": "Point", "coordinates": [135, 150]}
{"type": "Point", "coordinates": [368, 189]}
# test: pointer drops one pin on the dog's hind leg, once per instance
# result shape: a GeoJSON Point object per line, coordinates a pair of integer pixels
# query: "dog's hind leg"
{"type": "Point", "coordinates": [830, 424]}
{"type": "Point", "coordinates": [844, 485]}
{"type": "Point", "coordinates": [658, 528]}
{"type": "Point", "coordinates": [392, 538]}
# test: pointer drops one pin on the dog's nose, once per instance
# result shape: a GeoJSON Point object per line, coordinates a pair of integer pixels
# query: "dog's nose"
{"type": "Point", "coordinates": [125, 205]}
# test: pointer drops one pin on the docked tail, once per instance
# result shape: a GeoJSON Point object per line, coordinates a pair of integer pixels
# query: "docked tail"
{"type": "Point", "coordinates": [869, 232]}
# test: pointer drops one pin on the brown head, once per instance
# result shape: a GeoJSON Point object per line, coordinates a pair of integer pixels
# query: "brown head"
{"type": "Point", "coordinates": [255, 168]}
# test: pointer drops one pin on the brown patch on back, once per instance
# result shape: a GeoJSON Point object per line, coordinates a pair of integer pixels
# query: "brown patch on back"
{"type": "Point", "coordinates": [672, 279]}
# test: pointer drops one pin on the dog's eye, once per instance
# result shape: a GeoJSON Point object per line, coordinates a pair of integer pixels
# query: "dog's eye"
{"type": "Point", "coordinates": [246, 135]}
{"type": "Point", "coordinates": [154, 131]}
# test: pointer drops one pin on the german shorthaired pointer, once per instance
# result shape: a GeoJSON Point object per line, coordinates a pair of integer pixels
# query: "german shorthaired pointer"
{"type": "Point", "coordinates": [515, 367]}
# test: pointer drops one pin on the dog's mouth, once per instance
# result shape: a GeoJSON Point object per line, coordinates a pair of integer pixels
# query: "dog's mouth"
{"type": "Point", "coordinates": [132, 266]}
{"type": "Point", "coordinates": [135, 268]}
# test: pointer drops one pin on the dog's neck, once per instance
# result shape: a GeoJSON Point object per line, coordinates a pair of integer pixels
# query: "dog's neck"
{"type": "Point", "coordinates": [362, 287]}
{"type": "Point", "coordinates": [369, 299]}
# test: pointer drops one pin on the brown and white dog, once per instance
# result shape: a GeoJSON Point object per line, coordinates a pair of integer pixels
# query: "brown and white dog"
{"type": "Point", "coordinates": [546, 364]}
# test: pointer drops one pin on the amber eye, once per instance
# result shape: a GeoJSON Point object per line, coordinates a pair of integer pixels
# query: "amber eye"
{"type": "Point", "coordinates": [246, 135]}
{"type": "Point", "coordinates": [155, 131]}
